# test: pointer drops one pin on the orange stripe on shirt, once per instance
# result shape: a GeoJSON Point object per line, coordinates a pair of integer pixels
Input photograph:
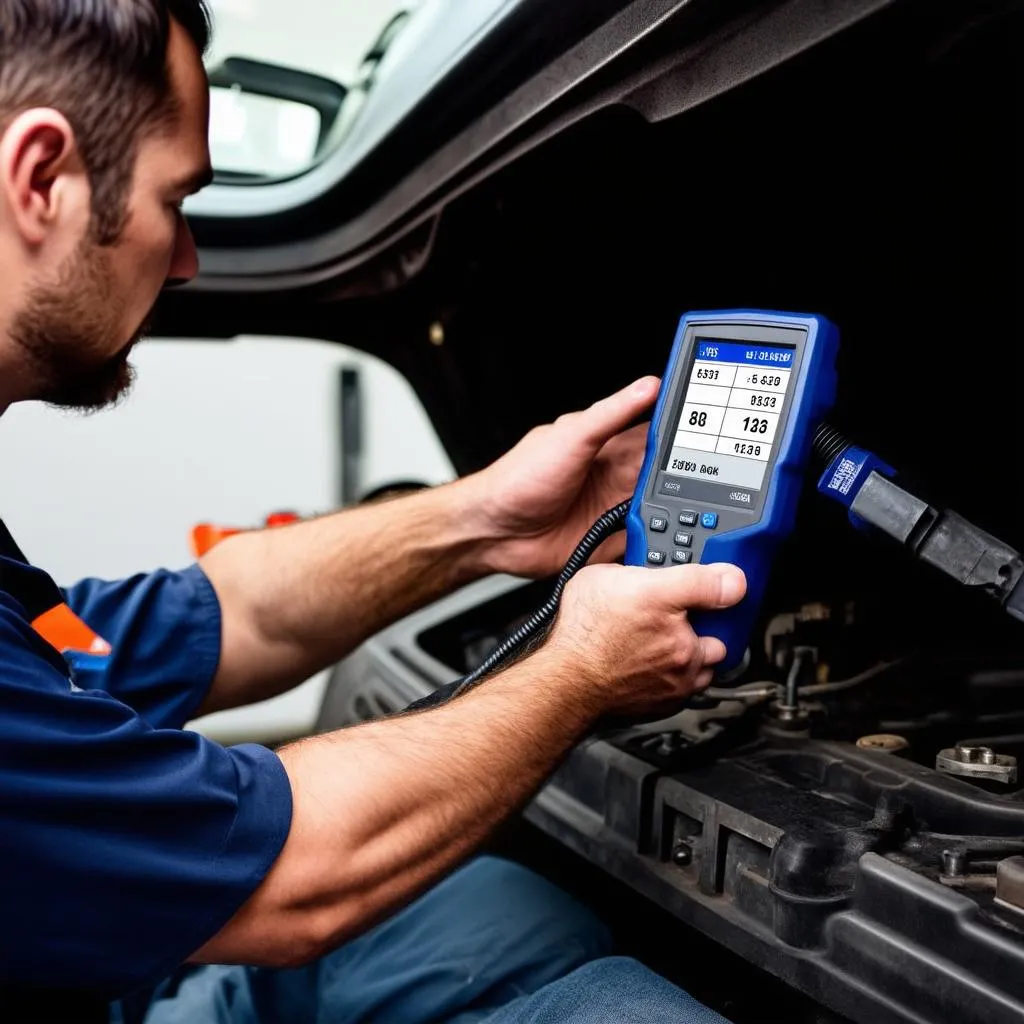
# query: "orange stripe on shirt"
{"type": "Point", "coordinates": [63, 629]}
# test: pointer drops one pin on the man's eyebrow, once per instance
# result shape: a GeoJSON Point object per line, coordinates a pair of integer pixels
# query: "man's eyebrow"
{"type": "Point", "coordinates": [196, 181]}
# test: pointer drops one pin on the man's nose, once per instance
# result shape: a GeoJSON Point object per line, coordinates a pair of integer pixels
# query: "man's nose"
{"type": "Point", "coordinates": [185, 261]}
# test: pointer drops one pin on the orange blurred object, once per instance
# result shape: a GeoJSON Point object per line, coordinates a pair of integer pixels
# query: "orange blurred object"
{"type": "Point", "coordinates": [206, 535]}
{"type": "Point", "coordinates": [281, 519]}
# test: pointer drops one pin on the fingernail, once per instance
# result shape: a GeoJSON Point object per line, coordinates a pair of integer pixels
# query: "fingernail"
{"type": "Point", "coordinates": [732, 581]}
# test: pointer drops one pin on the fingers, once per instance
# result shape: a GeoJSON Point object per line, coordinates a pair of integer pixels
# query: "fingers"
{"type": "Point", "coordinates": [708, 652]}
{"type": "Point", "coordinates": [712, 650]}
{"type": "Point", "coordinates": [606, 418]}
{"type": "Point", "coordinates": [683, 587]}
{"type": "Point", "coordinates": [703, 678]}
{"type": "Point", "coordinates": [627, 445]}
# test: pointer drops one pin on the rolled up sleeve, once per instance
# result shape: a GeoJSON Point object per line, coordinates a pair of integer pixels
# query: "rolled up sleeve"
{"type": "Point", "coordinates": [164, 629]}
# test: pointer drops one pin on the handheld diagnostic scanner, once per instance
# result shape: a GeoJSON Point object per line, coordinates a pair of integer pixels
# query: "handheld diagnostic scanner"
{"type": "Point", "coordinates": [732, 432]}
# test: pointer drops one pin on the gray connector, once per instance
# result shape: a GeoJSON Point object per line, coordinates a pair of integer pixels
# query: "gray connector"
{"type": "Point", "coordinates": [891, 509]}
{"type": "Point", "coordinates": [944, 540]}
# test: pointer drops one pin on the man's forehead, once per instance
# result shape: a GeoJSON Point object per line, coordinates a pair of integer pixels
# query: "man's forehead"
{"type": "Point", "coordinates": [192, 92]}
{"type": "Point", "coordinates": [185, 61]}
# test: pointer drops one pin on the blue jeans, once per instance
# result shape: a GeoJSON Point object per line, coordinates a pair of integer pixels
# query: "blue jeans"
{"type": "Point", "coordinates": [493, 942]}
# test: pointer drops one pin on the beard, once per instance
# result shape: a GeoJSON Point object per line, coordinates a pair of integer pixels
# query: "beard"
{"type": "Point", "coordinates": [65, 329]}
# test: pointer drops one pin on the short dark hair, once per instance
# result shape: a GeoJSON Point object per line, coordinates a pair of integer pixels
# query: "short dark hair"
{"type": "Point", "coordinates": [103, 65]}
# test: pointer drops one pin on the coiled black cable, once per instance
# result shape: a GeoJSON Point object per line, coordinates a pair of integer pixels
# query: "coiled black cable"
{"type": "Point", "coordinates": [540, 621]}
{"type": "Point", "coordinates": [828, 443]}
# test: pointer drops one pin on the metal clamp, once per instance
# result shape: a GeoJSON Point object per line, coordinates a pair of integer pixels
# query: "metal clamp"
{"type": "Point", "coordinates": [977, 763]}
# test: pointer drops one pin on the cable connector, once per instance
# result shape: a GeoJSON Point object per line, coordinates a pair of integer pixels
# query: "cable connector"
{"type": "Point", "coordinates": [860, 481]}
{"type": "Point", "coordinates": [848, 469]}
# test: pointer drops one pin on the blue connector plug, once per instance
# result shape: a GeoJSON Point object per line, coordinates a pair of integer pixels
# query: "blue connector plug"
{"type": "Point", "coordinates": [847, 473]}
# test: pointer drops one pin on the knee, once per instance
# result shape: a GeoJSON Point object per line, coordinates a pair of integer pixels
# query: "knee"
{"type": "Point", "coordinates": [526, 912]}
{"type": "Point", "coordinates": [619, 987]}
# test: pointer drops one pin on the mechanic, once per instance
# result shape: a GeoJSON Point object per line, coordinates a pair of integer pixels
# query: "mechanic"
{"type": "Point", "coordinates": [148, 873]}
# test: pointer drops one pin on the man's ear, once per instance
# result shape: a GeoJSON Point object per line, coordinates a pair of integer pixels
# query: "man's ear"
{"type": "Point", "coordinates": [42, 179]}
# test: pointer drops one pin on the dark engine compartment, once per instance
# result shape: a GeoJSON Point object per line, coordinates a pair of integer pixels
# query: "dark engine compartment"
{"type": "Point", "coordinates": [875, 180]}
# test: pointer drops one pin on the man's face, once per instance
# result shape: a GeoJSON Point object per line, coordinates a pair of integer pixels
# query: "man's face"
{"type": "Point", "coordinates": [78, 326]}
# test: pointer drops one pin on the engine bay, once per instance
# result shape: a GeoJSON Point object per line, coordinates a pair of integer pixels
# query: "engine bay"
{"type": "Point", "coordinates": [825, 838]}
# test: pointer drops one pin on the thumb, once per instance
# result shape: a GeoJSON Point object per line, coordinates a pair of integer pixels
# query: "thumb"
{"type": "Point", "coordinates": [718, 585]}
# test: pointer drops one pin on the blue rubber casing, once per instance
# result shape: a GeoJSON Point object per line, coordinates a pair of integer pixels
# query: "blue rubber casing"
{"type": "Point", "coordinates": [751, 547]}
{"type": "Point", "coordinates": [846, 475]}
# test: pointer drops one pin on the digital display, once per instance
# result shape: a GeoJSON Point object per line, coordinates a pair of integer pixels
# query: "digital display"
{"type": "Point", "coordinates": [730, 416]}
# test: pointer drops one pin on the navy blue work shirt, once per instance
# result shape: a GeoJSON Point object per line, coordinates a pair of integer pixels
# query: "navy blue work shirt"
{"type": "Point", "coordinates": [125, 842]}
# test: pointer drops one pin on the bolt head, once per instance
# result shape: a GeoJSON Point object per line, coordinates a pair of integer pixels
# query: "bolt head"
{"type": "Point", "coordinates": [682, 855]}
{"type": "Point", "coordinates": [953, 862]}
{"type": "Point", "coordinates": [975, 755]}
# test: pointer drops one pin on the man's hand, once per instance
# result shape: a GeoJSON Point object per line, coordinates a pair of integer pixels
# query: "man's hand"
{"type": "Point", "coordinates": [540, 498]}
{"type": "Point", "coordinates": [624, 631]}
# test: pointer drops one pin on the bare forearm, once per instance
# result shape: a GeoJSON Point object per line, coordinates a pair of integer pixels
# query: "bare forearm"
{"type": "Point", "coordinates": [382, 810]}
{"type": "Point", "coordinates": [296, 599]}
